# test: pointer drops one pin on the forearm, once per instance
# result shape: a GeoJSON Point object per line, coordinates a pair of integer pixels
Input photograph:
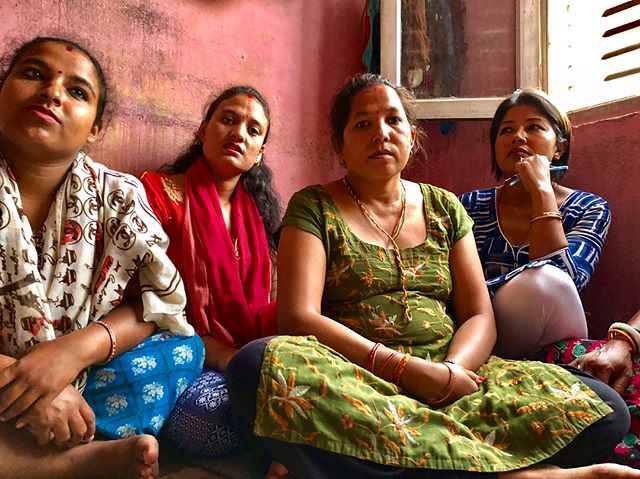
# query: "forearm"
{"type": "Point", "coordinates": [473, 342]}
{"type": "Point", "coordinates": [546, 235]}
{"type": "Point", "coordinates": [329, 332]}
{"type": "Point", "coordinates": [92, 345]}
{"type": "Point", "coordinates": [635, 320]}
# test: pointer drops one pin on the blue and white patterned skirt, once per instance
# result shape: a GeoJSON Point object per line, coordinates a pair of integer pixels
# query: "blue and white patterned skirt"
{"type": "Point", "coordinates": [136, 391]}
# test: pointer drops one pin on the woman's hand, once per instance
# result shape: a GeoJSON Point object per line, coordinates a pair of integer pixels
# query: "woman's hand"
{"type": "Point", "coordinates": [37, 378]}
{"type": "Point", "coordinates": [66, 421]}
{"type": "Point", "coordinates": [612, 364]}
{"type": "Point", "coordinates": [431, 382]}
{"type": "Point", "coordinates": [534, 173]}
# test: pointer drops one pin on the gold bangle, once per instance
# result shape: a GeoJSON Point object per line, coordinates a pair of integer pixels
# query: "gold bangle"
{"type": "Point", "coordinates": [112, 338]}
{"type": "Point", "coordinates": [547, 214]}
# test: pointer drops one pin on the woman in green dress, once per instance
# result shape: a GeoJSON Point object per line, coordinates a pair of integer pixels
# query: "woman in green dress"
{"type": "Point", "coordinates": [397, 379]}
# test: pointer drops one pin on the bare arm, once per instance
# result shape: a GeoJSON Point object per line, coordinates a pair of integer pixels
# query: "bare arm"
{"type": "Point", "coordinates": [547, 235]}
{"type": "Point", "coordinates": [476, 334]}
{"type": "Point", "coordinates": [42, 373]}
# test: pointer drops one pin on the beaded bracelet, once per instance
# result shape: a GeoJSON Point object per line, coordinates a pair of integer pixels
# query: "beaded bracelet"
{"type": "Point", "coordinates": [112, 337]}
{"type": "Point", "coordinates": [399, 369]}
{"type": "Point", "coordinates": [372, 356]}
{"type": "Point", "coordinates": [626, 333]}
{"type": "Point", "coordinates": [547, 214]}
{"type": "Point", "coordinates": [448, 388]}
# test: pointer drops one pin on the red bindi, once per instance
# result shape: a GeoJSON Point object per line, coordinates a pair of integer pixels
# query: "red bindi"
{"type": "Point", "coordinates": [250, 96]}
{"type": "Point", "coordinates": [59, 72]}
{"type": "Point", "coordinates": [69, 48]}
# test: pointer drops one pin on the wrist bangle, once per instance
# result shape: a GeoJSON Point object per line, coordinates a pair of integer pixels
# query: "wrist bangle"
{"type": "Point", "coordinates": [448, 388]}
{"type": "Point", "coordinates": [399, 369]}
{"type": "Point", "coordinates": [626, 333]}
{"type": "Point", "coordinates": [112, 338]}
{"type": "Point", "coordinates": [372, 356]}
{"type": "Point", "coordinates": [547, 214]}
{"type": "Point", "coordinates": [386, 361]}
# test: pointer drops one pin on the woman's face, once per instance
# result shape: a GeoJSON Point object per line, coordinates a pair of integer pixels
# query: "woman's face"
{"type": "Point", "coordinates": [233, 138]}
{"type": "Point", "coordinates": [377, 138]}
{"type": "Point", "coordinates": [48, 102]}
{"type": "Point", "coordinates": [524, 131]}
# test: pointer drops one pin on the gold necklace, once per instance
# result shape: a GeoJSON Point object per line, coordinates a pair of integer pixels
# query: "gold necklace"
{"type": "Point", "coordinates": [392, 238]}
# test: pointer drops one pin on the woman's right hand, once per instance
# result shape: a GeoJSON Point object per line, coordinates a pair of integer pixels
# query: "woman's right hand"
{"type": "Point", "coordinates": [429, 381]}
{"type": "Point", "coordinates": [534, 173]}
{"type": "Point", "coordinates": [66, 421]}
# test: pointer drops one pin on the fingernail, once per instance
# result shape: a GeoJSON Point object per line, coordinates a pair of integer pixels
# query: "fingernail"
{"type": "Point", "coordinates": [2, 419]}
{"type": "Point", "coordinates": [481, 378]}
{"type": "Point", "coordinates": [19, 425]}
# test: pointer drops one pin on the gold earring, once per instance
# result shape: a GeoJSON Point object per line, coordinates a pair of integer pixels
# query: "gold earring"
{"type": "Point", "coordinates": [258, 161]}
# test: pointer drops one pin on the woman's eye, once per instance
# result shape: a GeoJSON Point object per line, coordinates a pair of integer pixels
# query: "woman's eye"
{"type": "Point", "coordinates": [535, 127]}
{"type": "Point", "coordinates": [78, 93]}
{"type": "Point", "coordinates": [254, 131]}
{"type": "Point", "coordinates": [227, 120]}
{"type": "Point", "coordinates": [32, 73]}
{"type": "Point", "coordinates": [361, 124]}
{"type": "Point", "coordinates": [504, 130]}
{"type": "Point", "coordinates": [394, 120]}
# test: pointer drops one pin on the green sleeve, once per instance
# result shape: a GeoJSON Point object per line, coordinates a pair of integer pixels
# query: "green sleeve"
{"type": "Point", "coordinates": [446, 206]}
{"type": "Point", "coordinates": [305, 212]}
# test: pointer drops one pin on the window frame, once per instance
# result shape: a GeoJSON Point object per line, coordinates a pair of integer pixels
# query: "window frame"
{"type": "Point", "coordinates": [529, 61]}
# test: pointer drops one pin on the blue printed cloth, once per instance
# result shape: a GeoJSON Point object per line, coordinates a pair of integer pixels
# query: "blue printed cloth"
{"type": "Point", "coordinates": [136, 391]}
{"type": "Point", "coordinates": [585, 220]}
{"type": "Point", "coordinates": [202, 423]}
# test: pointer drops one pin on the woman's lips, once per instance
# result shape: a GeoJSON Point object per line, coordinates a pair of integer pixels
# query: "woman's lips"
{"type": "Point", "coordinates": [44, 113]}
{"type": "Point", "coordinates": [233, 148]}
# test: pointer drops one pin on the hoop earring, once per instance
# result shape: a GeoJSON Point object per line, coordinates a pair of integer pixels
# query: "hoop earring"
{"type": "Point", "coordinates": [341, 162]}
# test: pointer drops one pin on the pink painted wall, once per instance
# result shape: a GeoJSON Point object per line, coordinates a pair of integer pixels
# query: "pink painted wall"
{"type": "Point", "coordinates": [165, 58]}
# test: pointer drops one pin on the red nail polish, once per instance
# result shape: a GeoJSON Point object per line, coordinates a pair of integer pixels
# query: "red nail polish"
{"type": "Point", "coordinates": [481, 378]}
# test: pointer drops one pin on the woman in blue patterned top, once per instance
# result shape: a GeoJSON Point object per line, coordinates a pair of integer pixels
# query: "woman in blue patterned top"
{"type": "Point", "coordinates": [538, 241]}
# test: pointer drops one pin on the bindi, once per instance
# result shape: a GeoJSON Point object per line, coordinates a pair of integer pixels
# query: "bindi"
{"type": "Point", "coordinates": [69, 48]}
{"type": "Point", "coordinates": [59, 72]}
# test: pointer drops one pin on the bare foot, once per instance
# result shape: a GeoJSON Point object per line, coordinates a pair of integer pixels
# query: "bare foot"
{"type": "Point", "coordinates": [134, 457]}
{"type": "Point", "coordinates": [277, 471]}
{"type": "Point", "coordinates": [597, 471]}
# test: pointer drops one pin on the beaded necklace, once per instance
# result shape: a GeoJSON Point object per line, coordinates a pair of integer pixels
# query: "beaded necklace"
{"type": "Point", "coordinates": [392, 238]}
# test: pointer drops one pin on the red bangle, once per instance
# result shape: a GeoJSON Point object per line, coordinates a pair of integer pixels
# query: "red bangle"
{"type": "Point", "coordinates": [372, 356]}
{"type": "Point", "coordinates": [448, 388]}
{"type": "Point", "coordinates": [386, 361]}
{"type": "Point", "coordinates": [399, 369]}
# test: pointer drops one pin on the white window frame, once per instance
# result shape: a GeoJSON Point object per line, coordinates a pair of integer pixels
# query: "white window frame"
{"type": "Point", "coordinates": [529, 61]}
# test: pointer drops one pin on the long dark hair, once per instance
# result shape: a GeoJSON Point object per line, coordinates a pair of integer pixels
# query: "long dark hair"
{"type": "Point", "coordinates": [22, 49]}
{"type": "Point", "coordinates": [258, 181]}
{"type": "Point", "coordinates": [538, 100]}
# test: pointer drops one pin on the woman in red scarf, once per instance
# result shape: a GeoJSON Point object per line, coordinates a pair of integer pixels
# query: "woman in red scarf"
{"type": "Point", "coordinates": [217, 204]}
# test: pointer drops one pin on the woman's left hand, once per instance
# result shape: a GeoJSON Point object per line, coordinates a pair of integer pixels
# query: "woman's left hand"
{"type": "Point", "coordinates": [39, 376]}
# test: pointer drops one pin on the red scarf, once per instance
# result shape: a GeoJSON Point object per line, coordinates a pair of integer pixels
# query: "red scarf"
{"type": "Point", "coordinates": [229, 297]}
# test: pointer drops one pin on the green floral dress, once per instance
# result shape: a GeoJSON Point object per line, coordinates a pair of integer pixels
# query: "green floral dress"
{"type": "Point", "coordinates": [310, 394]}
